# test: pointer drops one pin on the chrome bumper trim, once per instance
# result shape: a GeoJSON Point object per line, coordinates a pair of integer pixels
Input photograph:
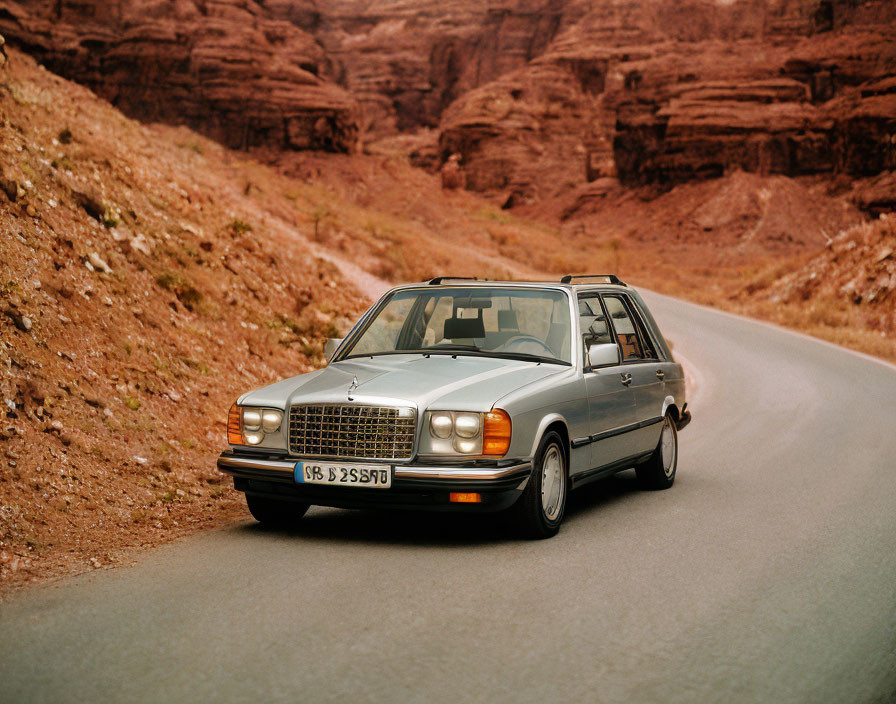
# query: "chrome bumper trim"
{"type": "Point", "coordinates": [412, 472]}
{"type": "Point", "coordinates": [226, 462]}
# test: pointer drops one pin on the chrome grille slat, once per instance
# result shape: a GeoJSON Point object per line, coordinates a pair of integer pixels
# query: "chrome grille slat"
{"type": "Point", "coordinates": [352, 432]}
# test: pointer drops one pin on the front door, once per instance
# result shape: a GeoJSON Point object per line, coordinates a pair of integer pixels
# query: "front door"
{"type": "Point", "coordinates": [641, 362]}
{"type": "Point", "coordinates": [611, 403]}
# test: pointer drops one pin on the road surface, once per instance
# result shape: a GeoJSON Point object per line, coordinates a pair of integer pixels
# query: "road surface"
{"type": "Point", "coordinates": [766, 574]}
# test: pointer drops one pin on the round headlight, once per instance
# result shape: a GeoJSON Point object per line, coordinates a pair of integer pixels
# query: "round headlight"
{"type": "Point", "coordinates": [440, 425]}
{"type": "Point", "coordinates": [251, 419]}
{"type": "Point", "coordinates": [466, 425]}
{"type": "Point", "coordinates": [270, 420]}
{"type": "Point", "coordinates": [254, 438]}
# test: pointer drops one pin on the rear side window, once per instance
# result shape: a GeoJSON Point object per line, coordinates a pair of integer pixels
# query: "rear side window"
{"type": "Point", "coordinates": [647, 343]}
{"type": "Point", "coordinates": [626, 333]}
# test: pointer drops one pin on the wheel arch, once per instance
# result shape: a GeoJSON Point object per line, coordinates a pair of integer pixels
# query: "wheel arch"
{"type": "Point", "coordinates": [669, 406]}
{"type": "Point", "coordinates": [557, 423]}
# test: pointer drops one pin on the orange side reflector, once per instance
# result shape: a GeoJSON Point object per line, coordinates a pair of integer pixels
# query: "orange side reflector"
{"type": "Point", "coordinates": [458, 498]}
{"type": "Point", "coordinates": [496, 434]}
{"type": "Point", "coordinates": [235, 426]}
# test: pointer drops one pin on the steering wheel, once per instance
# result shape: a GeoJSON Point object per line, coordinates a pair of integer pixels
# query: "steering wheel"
{"type": "Point", "coordinates": [526, 338]}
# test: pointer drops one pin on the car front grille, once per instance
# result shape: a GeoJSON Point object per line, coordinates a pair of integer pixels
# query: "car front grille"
{"type": "Point", "coordinates": [349, 431]}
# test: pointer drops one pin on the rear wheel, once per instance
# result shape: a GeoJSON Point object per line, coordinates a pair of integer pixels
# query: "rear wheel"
{"type": "Point", "coordinates": [274, 513]}
{"type": "Point", "coordinates": [658, 472]}
{"type": "Point", "coordinates": [539, 511]}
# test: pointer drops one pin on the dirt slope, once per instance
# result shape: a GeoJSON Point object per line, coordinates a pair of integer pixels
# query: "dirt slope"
{"type": "Point", "coordinates": [846, 293]}
{"type": "Point", "coordinates": [140, 292]}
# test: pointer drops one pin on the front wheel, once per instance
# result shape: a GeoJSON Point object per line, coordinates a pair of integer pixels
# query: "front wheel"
{"type": "Point", "coordinates": [273, 513]}
{"type": "Point", "coordinates": [539, 511]}
{"type": "Point", "coordinates": [658, 472]}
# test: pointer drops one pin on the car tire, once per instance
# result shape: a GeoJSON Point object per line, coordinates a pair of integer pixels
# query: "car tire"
{"type": "Point", "coordinates": [537, 514]}
{"type": "Point", "coordinates": [273, 513]}
{"type": "Point", "coordinates": [658, 472]}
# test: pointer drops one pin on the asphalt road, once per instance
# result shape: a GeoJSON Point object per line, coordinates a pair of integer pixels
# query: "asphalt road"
{"type": "Point", "coordinates": [766, 574]}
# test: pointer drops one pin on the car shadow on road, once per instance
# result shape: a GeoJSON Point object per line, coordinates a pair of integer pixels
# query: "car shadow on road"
{"type": "Point", "coordinates": [421, 528]}
{"type": "Point", "coordinates": [602, 493]}
{"type": "Point", "coordinates": [415, 528]}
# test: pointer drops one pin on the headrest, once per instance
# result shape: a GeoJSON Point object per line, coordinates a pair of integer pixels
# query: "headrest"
{"type": "Point", "coordinates": [598, 326]}
{"type": "Point", "coordinates": [507, 320]}
{"type": "Point", "coordinates": [459, 328]}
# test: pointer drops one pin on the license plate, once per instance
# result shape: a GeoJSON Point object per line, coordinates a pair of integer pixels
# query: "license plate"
{"type": "Point", "coordinates": [372, 476]}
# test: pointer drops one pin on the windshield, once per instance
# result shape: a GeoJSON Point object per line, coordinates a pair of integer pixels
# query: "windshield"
{"type": "Point", "coordinates": [516, 323]}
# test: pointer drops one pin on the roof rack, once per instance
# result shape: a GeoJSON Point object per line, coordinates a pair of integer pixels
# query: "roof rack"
{"type": "Point", "coordinates": [439, 279]}
{"type": "Point", "coordinates": [606, 279]}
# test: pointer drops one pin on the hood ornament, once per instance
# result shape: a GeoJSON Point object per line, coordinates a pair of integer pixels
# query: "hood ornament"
{"type": "Point", "coordinates": [352, 387]}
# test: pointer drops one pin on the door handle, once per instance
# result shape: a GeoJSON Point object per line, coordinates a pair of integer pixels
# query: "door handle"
{"type": "Point", "coordinates": [626, 379]}
{"type": "Point", "coordinates": [660, 374]}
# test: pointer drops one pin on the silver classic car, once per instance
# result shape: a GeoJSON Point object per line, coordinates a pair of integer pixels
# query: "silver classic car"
{"type": "Point", "coordinates": [462, 394]}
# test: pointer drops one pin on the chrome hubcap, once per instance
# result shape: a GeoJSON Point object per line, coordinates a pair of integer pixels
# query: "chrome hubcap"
{"type": "Point", "coordinates": [553, 479]}
{"type": "Point", "coordinates": [669, 447]}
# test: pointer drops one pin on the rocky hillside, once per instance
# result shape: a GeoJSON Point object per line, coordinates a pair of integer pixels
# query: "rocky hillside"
{"type": "Point", "coordinates": [856, 269]}
{"type": "Point", "coordinates": [142, 288]}
{"type": "Point", "coordinates": [858, 266]}
{"type": "Point", "coordinates": [846, 293]}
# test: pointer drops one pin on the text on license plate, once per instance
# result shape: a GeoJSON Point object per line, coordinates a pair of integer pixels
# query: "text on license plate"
{"type": "Point", "coordinates": [367, 475]}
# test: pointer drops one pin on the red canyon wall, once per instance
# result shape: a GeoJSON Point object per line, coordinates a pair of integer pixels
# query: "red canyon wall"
{"type": "Point", "coordinates": [530, 98]}
{"type": "Point", "coordinates": [241, 72]}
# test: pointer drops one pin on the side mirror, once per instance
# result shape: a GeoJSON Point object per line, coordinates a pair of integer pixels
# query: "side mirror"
{"type": "Point", "coordinates": [330, 347]}
{"type": "Point", "coordinates": [605, 355]}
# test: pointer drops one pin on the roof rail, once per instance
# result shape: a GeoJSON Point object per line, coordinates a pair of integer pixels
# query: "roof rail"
{"type": "Point", "coordinates": [607, 279]}
{"type": "Point", "coordinates": [439, 279]}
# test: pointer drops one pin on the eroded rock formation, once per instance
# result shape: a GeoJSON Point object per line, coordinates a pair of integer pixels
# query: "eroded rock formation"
{"type": "Point", "coordinates": [532, 99]}
{"type": "Point", "coordinates": [664, 91]}
{"type": "Point", "coordinates": [406, 61]}
{"type": "Point", "coordinates": [232, 70]}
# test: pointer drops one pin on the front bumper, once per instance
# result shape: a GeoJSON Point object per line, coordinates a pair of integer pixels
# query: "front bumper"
{"type": "Point", "coordinates": [413, 486]}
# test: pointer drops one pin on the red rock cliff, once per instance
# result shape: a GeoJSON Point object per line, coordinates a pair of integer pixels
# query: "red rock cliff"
{"type": "Point", "coordinates": [534, 97]}
{"type": "Point", "coordinates": [663, 91]}
{"type": "Point", "coordinates": [406, 61]}
{"type": "Point", "coordinates": [242, 72]}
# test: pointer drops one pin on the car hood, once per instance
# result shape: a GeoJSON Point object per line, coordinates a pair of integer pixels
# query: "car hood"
{"type": "Point", "coordinates": [436, 382]}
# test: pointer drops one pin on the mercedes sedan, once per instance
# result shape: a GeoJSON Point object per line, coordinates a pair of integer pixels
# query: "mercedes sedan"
{"type": "Point", "coordinates": [468, 395]}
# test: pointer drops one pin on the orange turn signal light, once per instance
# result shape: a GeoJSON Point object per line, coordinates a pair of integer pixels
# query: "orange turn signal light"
{"type": "Point", "coordinates": [496, 433]}
{"type": "Point", "coordinates": [235, 426]}
{"type": "Point", "coordinates": [461, 498]}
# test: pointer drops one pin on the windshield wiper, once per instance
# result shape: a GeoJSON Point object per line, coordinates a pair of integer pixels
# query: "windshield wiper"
{"type": "Point", "coordinates": [526, 357]}
{"type": "Point", "coordinates": [451, 348]}
{"type": "Point", "coordinates": [523, 356]}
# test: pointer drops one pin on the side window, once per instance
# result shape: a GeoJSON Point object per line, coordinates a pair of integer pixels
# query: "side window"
{"type": "Point", "coordinates": [646, 341]}
{"type": "Point", "coordinates": [626, 333]}
{"type": "Point", "coordinates": [385, 329]}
